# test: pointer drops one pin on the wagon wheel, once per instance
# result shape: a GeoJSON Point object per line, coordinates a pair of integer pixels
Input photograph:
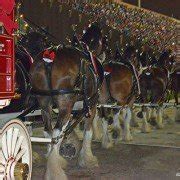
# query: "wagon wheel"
{"type": "Point", "coordinates": [15, 150]}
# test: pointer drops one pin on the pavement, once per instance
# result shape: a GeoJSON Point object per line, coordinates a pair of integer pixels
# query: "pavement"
{"type": "Point", "coordinates": [143, 159]}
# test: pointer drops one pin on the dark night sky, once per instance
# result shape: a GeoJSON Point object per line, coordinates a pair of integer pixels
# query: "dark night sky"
{"type": "Point", "coordinates": [167, 7]}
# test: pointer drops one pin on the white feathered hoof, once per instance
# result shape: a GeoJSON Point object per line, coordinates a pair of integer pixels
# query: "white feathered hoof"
{"type": "Point", "coordinates": [107, 142]}
{"type": "Point", "coordinates": [55, 166]}
{"type": "Point", "coordinates": [146, 128]}
{"type": "Point", "coordinates": [127, 137]}
{"type": "Point", "coordinates": [87, 160]}
{"type": "Point", "coordinates": [159, 126]}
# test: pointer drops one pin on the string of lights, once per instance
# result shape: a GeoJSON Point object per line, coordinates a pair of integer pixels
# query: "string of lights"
{"type": "Point", "coordinates": [157, 32]}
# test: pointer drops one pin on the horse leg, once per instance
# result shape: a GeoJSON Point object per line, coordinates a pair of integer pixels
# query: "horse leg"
{"type": "Point", "coordinates": [145, 126]}
{"type": "Point", "coordinates": [106, 138]}
{"type": "Point", "coordinates": [127, 119]}
{"type": "Point", "coordinates": [55, 162]}
{"type": "Point", "coordinates": [55, 166]}
{"type": "Point", "coordinates": [86, 157]}
{"type": "Point", "coordinates": [177, 110]}
{"type": "Point", "coordinates": [117, 130]}
{"type": "Point", "coordinates": [152, 116]}
{"type": "Point", "coordinates": [134, 121]}
{"type": "Point", "coordinates": [97, 135]}
{"type": "Point", "coordinates": [46, 110]}
{"type": "Point", "coordinates": [160, 118]}
{"type": "Point", "coordinates": [65, 106]}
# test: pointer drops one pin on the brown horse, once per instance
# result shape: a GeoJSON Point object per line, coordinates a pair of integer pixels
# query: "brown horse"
{"type": "Point", "coordinates": [72, 79]}
{"type": "Point", "coordinates": [118, 86]}
{"type": "Point", "coordinates": [154, 82]}
{"type": "Point", "coordinates": [175, 87]}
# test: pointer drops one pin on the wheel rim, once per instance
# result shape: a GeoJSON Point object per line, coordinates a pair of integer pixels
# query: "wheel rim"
{"type": "Point", "coordinates": [15, 151]}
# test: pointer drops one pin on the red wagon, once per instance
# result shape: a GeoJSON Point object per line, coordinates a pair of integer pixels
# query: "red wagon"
{"type": "Point", "coordinates": [15, 145]}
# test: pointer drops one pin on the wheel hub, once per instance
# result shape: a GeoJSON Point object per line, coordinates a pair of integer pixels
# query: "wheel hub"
{"type": "Point", "coordinates": [17, 170]}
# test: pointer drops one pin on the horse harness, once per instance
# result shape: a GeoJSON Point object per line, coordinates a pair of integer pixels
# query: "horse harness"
{"type": "Point", "coordinates": [80, 81]}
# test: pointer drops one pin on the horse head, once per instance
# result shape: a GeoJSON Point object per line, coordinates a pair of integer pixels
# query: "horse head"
{"type": "Point", "coordinates": [130, 54]}
{"type": "Point", "coordinates": [167, 60]}
{"type": "Point", "coordinates": [92, 37]}
{"type": "Point", "coordinates": [164, 58]}
{"type": "Point", "coordinates": [34, 42]}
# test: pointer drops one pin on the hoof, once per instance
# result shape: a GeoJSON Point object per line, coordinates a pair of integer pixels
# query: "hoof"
{"type": "Point", "coordinates": [127, 137]}
{"type": "Point", "coordinates": [146, 129]}
{"type": "Point", "coordinates": [87, 161]}
{"type": "Point", "coordinates": [160, 126]}
{"type": "Point", "coordinates": [107, 145]}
